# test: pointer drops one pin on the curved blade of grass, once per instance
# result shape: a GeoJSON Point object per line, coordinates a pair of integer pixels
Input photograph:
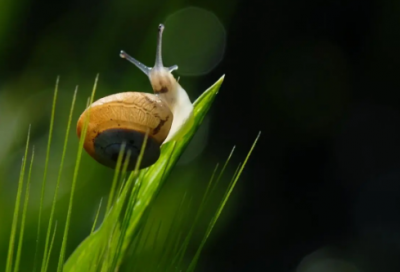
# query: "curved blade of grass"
{"type": "Point", "coordinates": [176, 260]}
{"type": "Point", "coordinates": [156, 175]}
{"type": "Point", "coordinates": [172, 236]}
{"type": "Point", "coordinates": [16, 209]}
{"type": "Point", "coordinates": [46, 254]}
{"type": "Point", "coordinates": [221, 207]}
{"type": "Point", "coordinates": [128, 213]}
{"type": "Point", "coordinates": [96, 217]}
{"type": "Point", "coordinates": [45, 173]}
{"type": "Point", "coordinates": [209, 190]}
{"type": "Point", "coordinates": [152, 179]}
{"type": "Point", "coordinates": [21, 233]}
{"type": "Point", "coordinates": [51, 245]}
{"type": "Point", "coordinates": [179, 256]}
{"type": "Point", "coordinates": [75, 176]}
{"type": "Point", "coordinates": [115, 179]}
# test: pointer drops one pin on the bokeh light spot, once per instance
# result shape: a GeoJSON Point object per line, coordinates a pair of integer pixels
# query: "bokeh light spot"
{"type": "Point", "coordinates": [194, 40]}
{"type": "Point", "coordinates": [328, 260]}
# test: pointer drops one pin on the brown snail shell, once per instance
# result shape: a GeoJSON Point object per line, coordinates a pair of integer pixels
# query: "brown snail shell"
{"type": "Point", "coordinates": [125, 118]}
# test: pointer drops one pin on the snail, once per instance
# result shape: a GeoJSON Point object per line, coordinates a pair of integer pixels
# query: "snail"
{"type": "Point", "coordinates": [125, 118]}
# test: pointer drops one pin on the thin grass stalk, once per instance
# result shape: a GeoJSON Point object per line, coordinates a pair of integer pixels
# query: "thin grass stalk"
{"type": "Point", "coordinates": [124, 225]}
{"type": "Point", "coordinates": [96, 217]}
{"type": "Point", "coordinates": [118, 169]}
{"type": "Point", "coordinates": [222, 172]}
{"type": "Point", "coordinates": [220, 208]}
{"type": "Point", "coordinates": [143, 173]}
{"type": "Point", "coordinates": [182, 251]}
{"type": "Point", "coordinates": [45, 174]}
{"type": "Point", "coordinates": [75, 176]}
{"type": "Point", "coordinates": [123, 174]}
{"type": "Point", "coordinates": [16, 209]}
{"type": "Point", "coordinates": [154, 247]}
{"type": "Point", "coordinates": [53, 206]}
{"type": "Point", "coordinates": [26, 201]}
{"type": "Point", "coordinates": [134, 178]}
{"type": "Point", "coordinates": [132, 201]}
{"type": "Point", "coordinates": [51, 245]}
{"type": "Point", "coordinates": [115, 179]}
{"type": "Point", "coordinates": [105, 263]}
{"type": "Point", "coordinates": [136, 175]}
{"type": "Point", "coordinates": [136, 242]}
{"type": "Point", "coordinates": [170, 236]}
{"type": "Point", "coordinates": [142, 245]}
{"type": "Point", "coordinates": [179, 242]}
{"type": "Point", "coordinates": [95, 261]}
{"type": "Point", "coordinates": [131, 204]}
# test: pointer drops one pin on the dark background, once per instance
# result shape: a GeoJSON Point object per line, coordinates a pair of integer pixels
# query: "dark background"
{"type": "Point", "coordinates": [319, 78]}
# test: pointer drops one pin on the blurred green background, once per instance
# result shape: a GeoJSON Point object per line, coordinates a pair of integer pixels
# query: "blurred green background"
{"type": "Point", "coordinates": [318, 78]}
{"type": "Point", "coordinates": [76, 41]}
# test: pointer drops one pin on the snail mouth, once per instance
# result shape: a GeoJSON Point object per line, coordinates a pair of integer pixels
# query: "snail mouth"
{"type": "Point", "coordinates": [109, 144]}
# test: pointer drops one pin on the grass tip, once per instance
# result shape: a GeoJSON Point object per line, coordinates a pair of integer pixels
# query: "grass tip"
{"type": "Point", "coordinates": [219, 81]}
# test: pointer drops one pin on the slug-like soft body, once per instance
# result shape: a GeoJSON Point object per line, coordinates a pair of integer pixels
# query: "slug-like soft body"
{"type": "Point", "coordinates": [125, 118]}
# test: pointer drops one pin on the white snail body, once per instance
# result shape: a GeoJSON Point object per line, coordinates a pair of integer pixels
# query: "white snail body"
{"type": "Point", "coordinates": [125, 118]}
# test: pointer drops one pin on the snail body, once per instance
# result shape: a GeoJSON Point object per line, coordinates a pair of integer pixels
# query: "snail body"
{"type": "Point", "coordinates": [123, 119]}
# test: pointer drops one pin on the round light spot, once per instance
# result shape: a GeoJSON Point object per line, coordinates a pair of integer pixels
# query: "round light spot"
{"type": "Point", "coordinates": [328, 260]}
{"type": "Point", "coordinates": [194, 40]}
{"type": "Point", "coordinates": [330, 265]}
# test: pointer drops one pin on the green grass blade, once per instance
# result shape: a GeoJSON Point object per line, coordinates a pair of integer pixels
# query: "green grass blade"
{"type": "Point", "coordinates": [75, 176]}
{"type": "Point", "coordinates": [115, 179]}
{"type": "Point", "coordinates": [51, 246]}
{"type": "Point", "coordinates": [26, 201]}
{"type": "Point", "coordinates": [130, 204]}
{"type": "Point", "coordinates": [179, 257]}
{"type": "Point", "coordinates": [124, 226]}
{"type": "Point", "coordinates": [135, 245]}
{"type": "Point", "coordinates": [45, 173]}
{"type": "Point", "coordinates": [171, 237]}
{"type": "Point", "coordinates": [146, 238]}
{"type": "Point", "coordinates": [16, 209]}
{"type": "Point", "coordinates": [221, 207]}
{"type": "Point", "coordinates": [53, 206]}
{"type": "Point", "coordinates": [235, 174]}
{"type": "Point", "coordinates": [158, 172]}
{"type": "Point", "coordinates": [155, 240]}
{"type": "Point", "coordinates": [152, 180]}
{"type": "Point", "coordinates": [223, 170]}
{"type": "Point", "coordinates": [115, 227]}
{"type": "Point", "coordinates": [97, 216]}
